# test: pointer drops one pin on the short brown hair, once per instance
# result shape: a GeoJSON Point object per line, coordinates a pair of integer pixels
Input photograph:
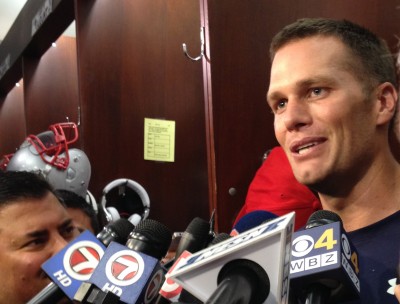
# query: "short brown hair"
{"type": "Point", "coordinates": [375, 61]}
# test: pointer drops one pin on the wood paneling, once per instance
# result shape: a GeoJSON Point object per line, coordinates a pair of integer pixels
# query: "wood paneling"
{"type": "Point", "coordinates": [51, 86]}
{"type": "Point", "coordinates": [131, 67]}
{"type": "Point", "coordinates": [12, 120]}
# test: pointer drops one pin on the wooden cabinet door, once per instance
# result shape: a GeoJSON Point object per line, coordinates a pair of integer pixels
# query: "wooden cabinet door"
{"type": "Point", "coordinates": [240, 125]}
{"type": "Point", "coordinates": [132, 67]}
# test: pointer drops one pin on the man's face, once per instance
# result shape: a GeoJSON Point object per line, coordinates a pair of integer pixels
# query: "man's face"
{"type": "Point", "coordinates": [31, 231]}
{"type": "Point", "coordinates": [323, 118]}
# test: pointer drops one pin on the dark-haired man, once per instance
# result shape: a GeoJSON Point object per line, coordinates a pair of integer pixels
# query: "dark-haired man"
{"type": "Point", "coordinates": [81, 212]}
{"type": "Point", "coordinates": [333, 92]}
{"type": "Point", "coordinates": [34, 225]}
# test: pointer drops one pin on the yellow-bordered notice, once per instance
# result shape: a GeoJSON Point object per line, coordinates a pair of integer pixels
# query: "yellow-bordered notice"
{"type": "Point", "coordinates": [159, 140]}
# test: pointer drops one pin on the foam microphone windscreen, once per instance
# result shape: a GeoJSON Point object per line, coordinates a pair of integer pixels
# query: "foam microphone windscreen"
{"type": "Point", "coordinates": [195, 237]}
{"type": "Point", "coordinates": [219, 238]}
{"type": "Point", "coordinates": [150, 237]}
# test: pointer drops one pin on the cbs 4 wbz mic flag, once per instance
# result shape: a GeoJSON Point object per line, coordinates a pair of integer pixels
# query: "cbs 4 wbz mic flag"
{"type": "Point", "coordinates": [325, 254]}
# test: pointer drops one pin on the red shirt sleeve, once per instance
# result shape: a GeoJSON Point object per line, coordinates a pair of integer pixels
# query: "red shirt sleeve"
{"type": "Point", "coordinates": [275, 189]}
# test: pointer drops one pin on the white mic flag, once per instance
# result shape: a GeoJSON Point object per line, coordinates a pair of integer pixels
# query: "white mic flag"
{"type": "Point", "coordinates": [268, 245]}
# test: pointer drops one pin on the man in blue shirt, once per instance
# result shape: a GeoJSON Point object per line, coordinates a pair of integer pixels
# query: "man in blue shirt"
{"type": "Point", "coordinates": [333, 92]}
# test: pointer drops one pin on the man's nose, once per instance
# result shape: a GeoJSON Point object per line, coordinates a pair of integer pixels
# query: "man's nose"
{"type": "Point", "coordinates": [58, 243]}
{"type": "Point", "coordinates": [296, 115]}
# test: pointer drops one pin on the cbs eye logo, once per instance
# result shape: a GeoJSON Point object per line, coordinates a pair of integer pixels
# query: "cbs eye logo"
{"type": "Point", "coordinates": [304, 244]}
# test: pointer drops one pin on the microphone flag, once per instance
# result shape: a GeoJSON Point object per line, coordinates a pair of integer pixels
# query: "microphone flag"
{"type": "Point", "coordinates": [133, 276]}
{"type": "Point", "coordinates": [268, 245]}
{"type": "Point", "coordinates": [75, 263]}
{"type": "Point", "coordinates": [325, 253]}
{"type": "Point", "coordinates": [170, 289]}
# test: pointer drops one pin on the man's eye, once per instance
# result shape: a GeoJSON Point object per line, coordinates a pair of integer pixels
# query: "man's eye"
{"type": "Point", "coordinates": [280, 105]}
{"type": "Point", "coordinates": [316, 91]}
{"type": "Point", "coordinates": [34, 243]}
{"type": "Point", "coordinates": [69, 232]}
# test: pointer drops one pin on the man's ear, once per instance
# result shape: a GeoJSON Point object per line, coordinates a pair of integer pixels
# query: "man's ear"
{"type": "Point", "coordinates": [387, 102]}
{"type": "Point", "coordinates": [394, 127]}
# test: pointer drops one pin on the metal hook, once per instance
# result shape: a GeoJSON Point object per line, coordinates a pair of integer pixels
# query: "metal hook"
{"type": "Point", "coordinates": [201, 47]}
{"type": "Point", "coordinates": [79, 116]}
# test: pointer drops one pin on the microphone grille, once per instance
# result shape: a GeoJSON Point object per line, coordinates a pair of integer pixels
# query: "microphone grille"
{"type": "Point", "coordinates": [155, 231]}
{"type": "Point", "coordinates": [219, 238]}
{"type": "Point", "coordinates": [122, 228]}
{"type": "Point", "coordinates": [322, 217]}
{"type": "Point", "coordinates": [198, 227]}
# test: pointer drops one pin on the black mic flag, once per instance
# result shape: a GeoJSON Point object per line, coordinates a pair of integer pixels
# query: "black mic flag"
{"type": "Point", "coordinates": [324, 263]}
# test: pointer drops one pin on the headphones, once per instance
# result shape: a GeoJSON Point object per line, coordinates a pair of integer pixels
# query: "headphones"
{"type": "Point", "coordinates": [118, 209]}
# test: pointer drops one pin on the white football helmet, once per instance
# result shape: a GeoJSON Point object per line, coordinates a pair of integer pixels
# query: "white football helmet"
{"type": "Point", "coordinates": [48, 154]}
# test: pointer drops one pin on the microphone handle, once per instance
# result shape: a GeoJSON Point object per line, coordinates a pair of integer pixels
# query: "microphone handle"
{"type": "Point", "coordinates": [317, 294]}
{"type": "Point", "coordinates": [162, 300]}
{"type": "Point", "coordinates": [49, 295]}
{"type": "Point", "coordinates": [90, 294]}
{"type": "Point", "coordinates": [226, 292]}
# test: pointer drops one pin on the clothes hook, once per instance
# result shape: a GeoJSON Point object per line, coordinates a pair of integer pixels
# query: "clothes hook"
{"type": "Point", "coordinates": [184, 47]}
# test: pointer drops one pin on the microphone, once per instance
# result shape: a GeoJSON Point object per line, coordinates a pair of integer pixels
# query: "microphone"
{"type": "Point", "coordinates": [251, 220]}
{"type": "Point", "coordinates": [196, 237]}
{"type": "Point", "coordinates": [324, 266]}
{"type": "Point", "coordinates": [242, 260]}
{"type": "Point", "coordinates": [133, 272]}
{"type": "Point", "coordinates": [76, 261]}
{"type": "Point", "coordinates": [244, 275]}
{"type": "Point", "coordinates": [171, 291]}
{"type": "Point", "coordinates": [117, 231]}
{"type": "Point", "coordinates": [89, 293]}
{"type": "Point", "coordinates": [220, 237]}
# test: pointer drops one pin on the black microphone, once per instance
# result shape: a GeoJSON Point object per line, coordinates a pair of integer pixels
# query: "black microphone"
{"type": "Point", "coordinates": [150, 237]}
{"type": "Point", "coordinates": [132, 272]}
{"type": "Point", "coordinates": [220, 237]}
{"type": "Point", "coordinates": [88, 293]}
{"type": "Point", "coordinates": [118, 231]}
{"type": "Point", "coordinates": [196, 237]}
{"type": "Point", "coordinates": [201, 240]}
{"type": "Point", "coordinates": [324, 264]}
{"type": "Point", "coordinates": [241, 281]}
